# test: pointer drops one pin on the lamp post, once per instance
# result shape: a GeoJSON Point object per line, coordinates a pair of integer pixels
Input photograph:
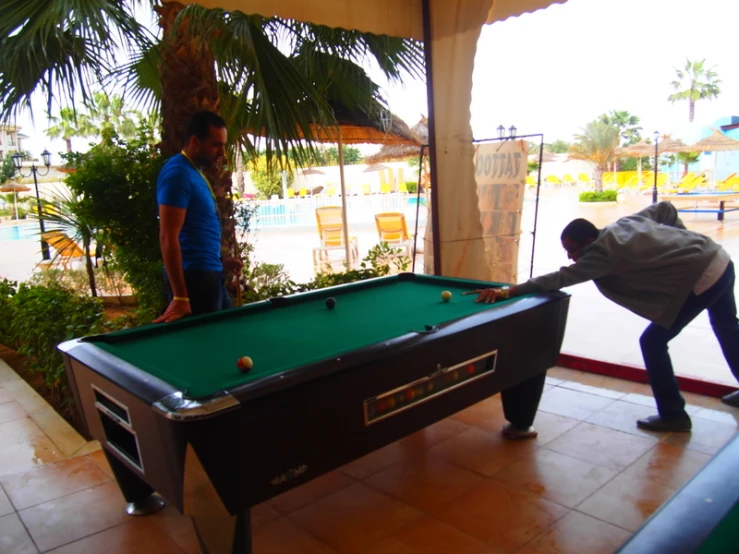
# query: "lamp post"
{"type": "Point", "coordinates": [501, 131]}
{"type": "Point", "coordinates": [656, 166]}
{"type": "Point", "coordinates": [18, 162]}
{"type": "Point", "coordinates": [512, 132]}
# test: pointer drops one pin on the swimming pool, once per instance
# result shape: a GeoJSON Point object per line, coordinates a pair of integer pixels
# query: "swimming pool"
{"type": "Point", "coordinates": [24, 231]}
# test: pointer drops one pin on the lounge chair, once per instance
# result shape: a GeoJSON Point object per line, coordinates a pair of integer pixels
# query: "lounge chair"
{"type": "Point", "coordinates": [392, 229]}
{"type": "Point", "coordinates": [67, 251]}
{"type": "Point", "coordinates": [331, 234]}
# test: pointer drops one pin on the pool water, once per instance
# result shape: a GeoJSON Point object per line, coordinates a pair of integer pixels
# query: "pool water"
{"type": "Point", "coordinates": [24, 231]}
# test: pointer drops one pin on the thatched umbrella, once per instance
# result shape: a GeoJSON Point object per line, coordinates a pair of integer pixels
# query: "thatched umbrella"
{"type": "Point", "coordinates": [717, 142]}
{"type": "Point", "coordinates": [15, 188]}
{"type": "Point", "coordinates": [399, 152]}
{"type": "Point", "coordinates": [638, 151]}
{"type": "Point", "coordinates": [375, 167]}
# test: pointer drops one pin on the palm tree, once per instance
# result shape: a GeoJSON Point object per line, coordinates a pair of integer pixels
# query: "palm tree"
{"type": "Point", "coordinates": [230, 63]}
{"type": "Point", "coordinates": [109, 114]}
{"type": "Point", "coordinates": [70, 124]}
{"type": "Point", "coordinates": [695, 82]}
{"type": "Point", "coordinates": [597, 144]}
{"type": "Point", "coordinates": [628, 125]}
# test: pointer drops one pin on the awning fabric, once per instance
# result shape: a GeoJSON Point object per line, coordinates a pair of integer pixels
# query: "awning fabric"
{"type": "Point", "coordinates": [455, 28]}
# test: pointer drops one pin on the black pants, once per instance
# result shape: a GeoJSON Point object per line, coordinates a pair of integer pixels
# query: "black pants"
{"type": "Point", "coordinates": [206, 290]}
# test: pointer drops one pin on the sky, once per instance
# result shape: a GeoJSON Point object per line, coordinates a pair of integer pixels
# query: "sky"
{"type": "Point", "coordinates": [555, 70]}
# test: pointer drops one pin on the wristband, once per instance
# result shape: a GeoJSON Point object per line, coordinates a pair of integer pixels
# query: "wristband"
{"type": "Point", "coordinates": [181, 298]}
{"type": "Point", "coordinates": [505, 293]}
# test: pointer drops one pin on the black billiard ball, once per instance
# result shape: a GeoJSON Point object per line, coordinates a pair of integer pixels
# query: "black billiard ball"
{"type": "Point", "coordinates": [330, 303]}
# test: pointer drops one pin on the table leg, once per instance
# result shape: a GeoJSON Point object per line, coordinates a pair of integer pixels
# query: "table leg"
{"type": "Point", "coordinates": [139, 496]}
{"type": "Point", "coordinates": [721, 210]}
{"type": "Point", "coordinates": [521, 401]}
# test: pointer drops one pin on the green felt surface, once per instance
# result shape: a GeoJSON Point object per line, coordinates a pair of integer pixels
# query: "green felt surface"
{"type": "Point", "coordinates": [724, 538]}
{"type": "Point", "coordinates": [200, 359]}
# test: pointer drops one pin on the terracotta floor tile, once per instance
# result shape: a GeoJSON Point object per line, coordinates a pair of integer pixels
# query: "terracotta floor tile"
{"type": "Point", "coordinates": [99, 458]}
{"type": "Point", "coordinates": [319, 487]}
{"type": "Point", "coordinates": [26, 396]}
{"type": "Point", "coordinates": [378, 460]}
{"type": "Point", "coordinates": [137, 535]}
{"type": "Point", "coordinates": [626, 501]}
{"type": "Point", "coordinates": [550, 426]}
{"type": "Point", "coordinates": [501, 515]}
{"type": "Point", "coordinates": [622, 416]}
{"type": "Point", "coordinates": [18, 431]}
{"type": "Point", "coordinates": [5, 506]}
{"type": "Point", "coordinates": [425, 481]}
{"type": "Point", "coordinates": [604, 382]}
{"type": "Point", "coordinates": [5, 396]}
{"type": "Point", "coordinates": [730, 416]}
{"type": "Point", "coordinates": [178, 527]}
{"type": "Point", "coordinates": [431, 536]}
{"type": "Point", "coordinates": [59, 431]}
{"type": "Point", "coordinates": [483, 452]}
{"type": "Point", "coordinates": [556, 477]}
{"type": "Point", "coordinates": [10, 411]}
{"type": "Point", "coordinates": [13, 536]}
{"type": "Point", "coordinates": [27, 455]}
{"type": "Point", "coordinates": [52, 481]}
{"type": "Point", "coordinates": [707, 436]}
{"type": "Point", "coordinates": [435, 434]}
{"type": "Point", "coordinates": [282, 536]}
{"type": "Point", "coordinates": [572, 404]}
{"type": "Point", "coordinates": [487, 414]}
{"type": "Point", "coordinates": [563, 373]}
{"type": "Point", "coordinates": [354, 518]}
{"type": "Point", "coordinates": [578, 533]}
{"type": "Point", "coordinates": [262, 514]}
{"type": "Point", "coordinates": [75, 516]}
{"type": "Point", "coordinates": [601, 446]}
{"type": "Point", "coordinates": [668, 465]}
{"type": "Point", "coordinates": [598, 391]}
{"type": "Point", "coordinates": [88, 448]}
{"type": "Point", "coordinates": [552, 381]}
{"type": "Point", "coordinates": [693, 402]}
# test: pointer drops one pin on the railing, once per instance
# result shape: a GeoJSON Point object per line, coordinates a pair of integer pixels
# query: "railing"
{"type": "Point", "coordinates": [297, 212]}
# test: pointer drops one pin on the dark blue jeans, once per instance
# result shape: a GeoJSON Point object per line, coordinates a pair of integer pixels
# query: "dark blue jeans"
{"type": "Point", "coordinates": [721, 306]}
{"type": "Point", "coordinates": [206, 289]}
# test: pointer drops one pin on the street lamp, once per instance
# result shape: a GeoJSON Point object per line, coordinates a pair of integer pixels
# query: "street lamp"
{"type": "Point", "coordinates": [656, 166]}
{"type": "Point", "coordinates": [18, 163]}
{"type": "Point", "coordinates": [512, 131]}
{"type": "Point", "coordinates": [501, 131]}
{"type": "Point", "coordinates": [386, 118]}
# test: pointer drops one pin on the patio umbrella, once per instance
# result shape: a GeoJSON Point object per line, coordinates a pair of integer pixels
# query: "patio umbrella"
{"type": "Point", "coordinates": [638, 151]}
{"type": "Point", "coordinates": [400, 152]}
{"type": "Point", "coordinates": [15, 188]}
{"type": "Point", "coordinates": [717, 142]}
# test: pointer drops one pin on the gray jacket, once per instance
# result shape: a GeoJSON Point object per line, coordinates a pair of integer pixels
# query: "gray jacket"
{"type": "Point", "coordinates": [647, 262]}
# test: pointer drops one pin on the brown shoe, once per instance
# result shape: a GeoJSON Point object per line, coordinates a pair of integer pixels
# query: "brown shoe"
{"type": "Point", "coordinates": [512, 432]}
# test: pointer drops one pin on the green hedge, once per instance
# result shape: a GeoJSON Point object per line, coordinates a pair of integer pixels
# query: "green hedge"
{"type": "Point", "coordinates": [605, 196]}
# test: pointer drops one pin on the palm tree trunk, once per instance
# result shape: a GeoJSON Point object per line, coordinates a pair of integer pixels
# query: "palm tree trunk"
{"type": "Point", "coordinates": [69, 145]}
{"type": "Point", "coordinates": [189, 85]}
{"type": "Point", "coordinates": [88, 266]}
{"type": "Point", "coordinates": [691, 110]}
{"type": "Point", "coordinates": [598, 179]}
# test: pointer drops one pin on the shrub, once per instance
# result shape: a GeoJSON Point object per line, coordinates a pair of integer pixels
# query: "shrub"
{"type": "Point", "coordinates": [8, 289]}
{"type": "Point", "coordinates": [43, 317]}
{"type": "Point", "coordinates": [412, 186]}
{"type": "Point", "coordinates": [604, 196]}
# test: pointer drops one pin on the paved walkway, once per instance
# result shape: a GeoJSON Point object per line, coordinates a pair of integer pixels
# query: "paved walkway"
{"type": "Point", "coordinates": [583, 486]}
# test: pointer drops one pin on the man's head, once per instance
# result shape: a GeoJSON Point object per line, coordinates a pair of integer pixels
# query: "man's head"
{"type": "Point", "coordinates": [206, 138]}
{"type": "Point", "coordinates": [576, 236]}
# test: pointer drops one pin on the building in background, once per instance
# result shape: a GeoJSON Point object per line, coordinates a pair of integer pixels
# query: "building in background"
{"type": "Point", "coordinates": [10, 140]}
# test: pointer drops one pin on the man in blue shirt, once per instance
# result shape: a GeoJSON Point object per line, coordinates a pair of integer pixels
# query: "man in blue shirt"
{"type": "Point", "coordinates": [190, 228]}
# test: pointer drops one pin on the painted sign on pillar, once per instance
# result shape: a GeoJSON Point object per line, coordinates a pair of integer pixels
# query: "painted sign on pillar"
{"type": "Point", "coordinates": [500, 173]}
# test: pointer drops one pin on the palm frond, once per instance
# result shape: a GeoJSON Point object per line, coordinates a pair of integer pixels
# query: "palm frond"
{"type": "Point", "coordinates": [59, 48]}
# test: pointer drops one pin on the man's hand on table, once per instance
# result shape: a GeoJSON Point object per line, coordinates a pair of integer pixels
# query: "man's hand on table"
{"type": "Point", "coordinates": [488, 296]}
{"type": "Point", "coordinates": [177, 309]}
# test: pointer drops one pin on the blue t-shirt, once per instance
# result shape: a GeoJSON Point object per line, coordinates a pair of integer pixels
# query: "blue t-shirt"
{"type": "Point", "coordinates": [180, 185]}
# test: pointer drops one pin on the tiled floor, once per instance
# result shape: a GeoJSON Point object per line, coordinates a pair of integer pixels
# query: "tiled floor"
{"type": "Point", "coordinates": [584, 485]}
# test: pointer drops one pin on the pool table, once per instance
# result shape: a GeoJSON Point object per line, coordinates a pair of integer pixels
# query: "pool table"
{"type": "Point", "coordinates": [176, 415]}
{"type": "Point", "coordinates": [702, 517]}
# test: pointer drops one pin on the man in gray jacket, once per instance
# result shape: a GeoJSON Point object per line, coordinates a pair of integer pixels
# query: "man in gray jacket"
{"type": "Point", "coordinates": [652, 265]}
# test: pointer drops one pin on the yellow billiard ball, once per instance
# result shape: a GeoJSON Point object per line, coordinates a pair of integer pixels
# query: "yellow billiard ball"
{"type": "Point", "coordinates": [245, 364]}
{"type": "Point", "coordinates": [446, 296]}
